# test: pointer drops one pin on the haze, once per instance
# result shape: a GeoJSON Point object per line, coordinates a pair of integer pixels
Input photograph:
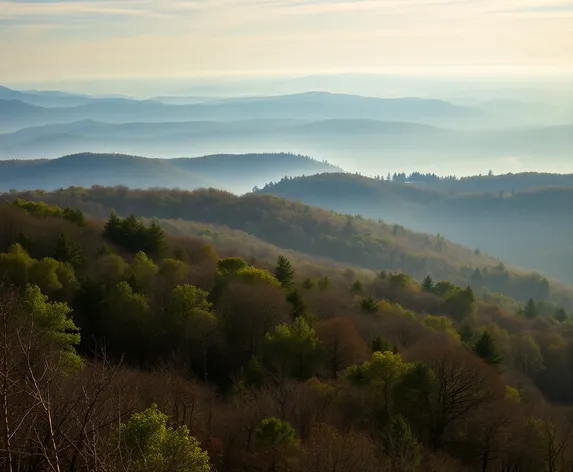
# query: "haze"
{"type": "Point", "coordinates": [57, 40]}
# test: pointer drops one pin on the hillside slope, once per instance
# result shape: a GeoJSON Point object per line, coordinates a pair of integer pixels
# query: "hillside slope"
{"type": "Point", "coordinates": [291, 225]}
{"type": "Point", "coordinates": [238, 173]}
{"type": "Point", "coordinates": [531, 228]}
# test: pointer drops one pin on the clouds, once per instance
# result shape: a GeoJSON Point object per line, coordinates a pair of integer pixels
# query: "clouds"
{"type": "Point", "coordinates": [146, 37]}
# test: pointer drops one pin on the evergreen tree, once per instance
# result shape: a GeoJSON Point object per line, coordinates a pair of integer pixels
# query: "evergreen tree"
{"type": "Point", "coordinates": [69, 251]}
{"type": "Point", "coordinates": [356, 287]}
{"type": "Point", "coordinates": [530, 310]}
{"type": "Point", "coordinates": [324, 283]}
{"type": "Point", "coordinates": [427, 284]}
{"type": "Point", "coordinates": [155, 239]}
{"type": "Point", "coordinates": [284, 272]}
{"type": "Point", "coordinates": [379, 344]}
{"type": "Point", "coordinates": [369, 304]}
{"type": "Point", "coordinates": [297, 303]}
{"type": "Point", "coordinates": [486, 349]}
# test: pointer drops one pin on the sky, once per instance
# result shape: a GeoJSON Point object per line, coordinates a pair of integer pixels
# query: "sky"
{"type": "Point", "coordinates": [55, 40]}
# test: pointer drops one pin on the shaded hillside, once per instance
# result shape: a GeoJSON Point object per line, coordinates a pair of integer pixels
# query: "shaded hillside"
{"type": "Point", "coordinates": [296, 226]}
{"type": "Point", "coordinates": [530, 228]}
{"type": "Point", "coordinates": [239, 173]}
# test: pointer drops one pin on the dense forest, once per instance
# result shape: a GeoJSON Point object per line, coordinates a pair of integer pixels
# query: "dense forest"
{"type": "Point", "coordinates": [519, 222]}
{"type": "Point", "coordinates": [351, 240]}
{"type": "Point", "coordinates": [124, 348]}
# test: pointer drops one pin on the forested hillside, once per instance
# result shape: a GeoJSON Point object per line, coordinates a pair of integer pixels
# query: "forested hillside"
{"type": "Point", "coordinates": [237, 173]}
{"type": "Point", "coordinates": [528, 227]}
{"type": "Point", "coordinates": [123, 348]}
{"type": "Point", "coordinates": [347, 239]}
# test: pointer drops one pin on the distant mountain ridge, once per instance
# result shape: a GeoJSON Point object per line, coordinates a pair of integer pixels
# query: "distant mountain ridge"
{"type": "Point", "coordinates": [238, 173]}
{"type": "Point", "coordinates": [307, 106]}
{"type": "Point", "coordinates": [367, 141]}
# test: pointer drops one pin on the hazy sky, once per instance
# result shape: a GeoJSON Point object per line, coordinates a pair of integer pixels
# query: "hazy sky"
{"type": "Point", "coordinates": [52, 40]}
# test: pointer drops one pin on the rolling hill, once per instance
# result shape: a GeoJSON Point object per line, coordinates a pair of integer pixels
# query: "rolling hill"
{"type": "Point", "coordinates": [238, 173]}
{"type": "Point", "coordinates": [531, 227]}
{"type": "Point", "coordinates": [371, 146]}
{"type": "Point", "coordinates": [295, 226]}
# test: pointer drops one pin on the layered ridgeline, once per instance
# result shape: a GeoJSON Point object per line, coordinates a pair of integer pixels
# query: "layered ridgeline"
{"type": "Point", "coordinates": [291, 225]}
{"type": "Point", "coordinates": [237, 173]}
{"type": "Point", "coordinates": [364, 133]}
{"type": "Point", "coordinates": [518, 222]}
{"type": "Point", "coordinates": [358, 141]}
{"type": "Point", "coordinates": [126, 349]}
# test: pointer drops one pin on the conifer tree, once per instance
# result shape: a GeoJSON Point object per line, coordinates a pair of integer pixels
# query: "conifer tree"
{"type": "Point", "coordinates": [427, 284]}
{"type": "Point", "coordinates": [486, 349]}
{"type": "Point", "coordinates": [284, 272]}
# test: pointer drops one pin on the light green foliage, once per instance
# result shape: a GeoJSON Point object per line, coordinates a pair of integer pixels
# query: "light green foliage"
{"type": "Point", "coordinates": [54, 324]}
{"type": "Point", "coordinates": [251, 274]}
{"type": "Point", "coordinates": [148, 444]}
{"type": "Point", "coordinates": [40, 209]}
{"type": "Point", "coordinates": [400, 281]}
{"type": "Point", "coordinates": [125, 299]}
{"type": "Point", "coordinates": [143, 271]}
{"type": "Point", "coordinates": [294, 347]}
{"type": "Point", "coordinates": [45, 274]}
{"type": "Point", "coordinates": [380, 375]}
{"type": "Point", "coordinates": [110, 268]}
{"type": "Point", "coordinates": [388, 308]}
{"type": "Point", "coordinates": [512, 394]}
{"type": "Point", "coordinates": [273, 432]}
{"type": "Point", "coordinates": [441, 324]}
{"type": "Point", "coordinates": [15, 264]}
{"type": "Point", "coordinates": [188, 301]}
{"type": "Point", "coordinates": [50, 275]}
{"type": "Point", "coordinates": [230, 265]}
{"type": "Point", "coordinates": [443, 287]}
{"type": "Point", "coordinates": [381, 371]}
{"type": "Point", "coordinates": [43, 210]}
{"type": "Point", "coordinates": [526, 355]}
{"type": "Point", "coordinates": [459, 303]}
{"type": "Point", "coordinates": [174, 272]}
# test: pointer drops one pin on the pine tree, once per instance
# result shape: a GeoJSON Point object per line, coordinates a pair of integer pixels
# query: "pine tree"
{"type": "Point", "coordinates": [297, 303]}
{"type": "Point", "coordinates": [486, 349]}
{"type": "Point", "coordinates": [379, 344]}
{"type": "Point", "coordinates": [427, 284]}
{"type": "Point", "coordinates": [69, 251]}
{"type": "Point", "coordinates": [284, 272]}
{"type": "Point", "coordinates": [530, 310]}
